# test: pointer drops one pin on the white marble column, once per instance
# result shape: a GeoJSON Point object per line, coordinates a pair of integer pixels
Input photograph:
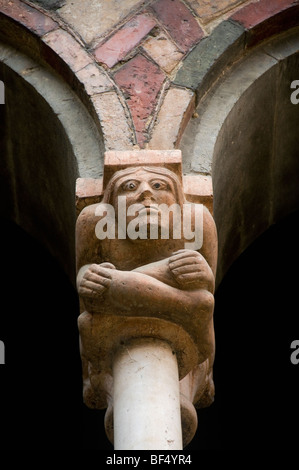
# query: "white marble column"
{"type": "Point", "coordinates": [146, 397]}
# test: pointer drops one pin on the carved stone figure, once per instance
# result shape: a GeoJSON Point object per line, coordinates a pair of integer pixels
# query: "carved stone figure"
{"type": "Point", "coordinates": [145, 287]}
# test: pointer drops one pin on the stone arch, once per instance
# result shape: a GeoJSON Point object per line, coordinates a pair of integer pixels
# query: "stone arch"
{"type": "Point", "coordinates": [42, 33]}
{"type": "Point", "coordinates": [42, 36]}
{"type": "Point", "coordinates": [246, 137]}
{"type": "Point", "coordinates": [47, 140]}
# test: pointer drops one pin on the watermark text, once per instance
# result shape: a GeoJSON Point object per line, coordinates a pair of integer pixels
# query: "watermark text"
{"type": "Point", "coordinates": [152, 459]}
{"type": "Point", "coordinates": [2, 353]}
{"type": "Point", "coordinates": [153, 222]}
{"type": "Point", "coordinates": [2, 93]}
{"type": "Point", "coordinates": [295, 94]}
{"type": "Point", "coordinates": [295, 354]}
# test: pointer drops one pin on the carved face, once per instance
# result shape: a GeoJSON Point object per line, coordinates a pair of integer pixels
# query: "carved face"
{"type": "Point", "coordinates": [151, 189]}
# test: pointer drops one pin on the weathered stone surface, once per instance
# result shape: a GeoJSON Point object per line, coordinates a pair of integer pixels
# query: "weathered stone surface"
{"type": "Point", "coordinates": [175, 112]}
{"type": "Point", "coordinates": [257, 12]}
{"type": "Point", "coordinates": [124, 40]}
{"type": "Point", "coordinates": [179, 22]}
{"type": "Point", "coordinates": [263, 19]}
{"type": "Point", "coordinates": [207, 10]}
{"type": "Point", "coordinates": [49, 4]}
{"type": "Point", "coordinates": [95, 18]}
{"type": "Point", "coordinates": [284, 47]}
{"type": "Point", "coordinates": [107, 106]}
{"type": "Point", "coordinates": [33, 19]}
{"type": "Point", "coordinates": [94, 80]}
{"type": "Point", "coordinates": [210, 55]}
{"type": "Point", "coordinates": [140, 80]}
{"type": "Point", "coordinates": [146, 287]}
{"type": "Point", "coordinates": [199, 140]}
{"type": "Point", "coordinates": [88, 191]}
{"type": "Point", "coordinates": [52, 141]}
{"type": "Point", "coordinates": [163, 51]}
{"type": "Point", "coordinates": [68, 49]}
{"type": "Point", "coordinates": [199, 189]}
{"type": "Point", "coordinates": [116, 161]}
{"type": "Point", "coordinates": [138, 366]}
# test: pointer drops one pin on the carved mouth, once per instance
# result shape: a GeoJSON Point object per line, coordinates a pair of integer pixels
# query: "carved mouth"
{"type": "Point", "coordinates": [148, 209]}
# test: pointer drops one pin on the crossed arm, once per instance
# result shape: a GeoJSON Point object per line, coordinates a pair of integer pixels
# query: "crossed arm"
{"type": "Point", "coordinates": [177, 282]}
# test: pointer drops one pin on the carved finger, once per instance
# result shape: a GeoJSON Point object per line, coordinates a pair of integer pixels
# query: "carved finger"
{"type": "Point", "coordinates": [182, 254]}
{"type": "Point", "coordinates": [96, 286]}
{"type": "Point", "coordinates": [183, 250]}
{"type": "Point", "coordinates": [101, 271]}
{"type": "Point", "coordinates": [107, 265]}
{"type": "Point", "coordinates": [188, 278]}
{"type": "Point", "coordinates": [190, 268]}
{"type": "Point", "coordinates": [92, 276]}
{"type": "Point", "coordinates": [86, 292]}
{"type": "Point", "coordinates": [183, 262]}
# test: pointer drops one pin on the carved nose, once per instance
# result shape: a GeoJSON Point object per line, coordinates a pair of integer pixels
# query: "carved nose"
{"type": "Point", "coordinates": [145, 192]}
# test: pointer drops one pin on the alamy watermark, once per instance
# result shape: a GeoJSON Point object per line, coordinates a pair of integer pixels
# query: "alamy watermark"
{"type": "Point", "coordinates": [295, 94]}
{"type": "Point", "coordinates": [2, 353]}
{"type": "Point", "coordinates": [151, 222]}
{"type": "Point", "coordinates": [2, 93]}
{"type": "Point", "coordinates": [295, 354]}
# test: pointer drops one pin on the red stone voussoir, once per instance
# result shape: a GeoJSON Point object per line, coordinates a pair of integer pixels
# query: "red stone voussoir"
{"type": "Point", "coordinates": [265, 18]}
{"type": "Point", "coordinates": [124, 40]}
{"type": "Point", "coordinates": [29, 17]}
{"type": "Point", "coordinates": [179, 22]}
{"type": "Point", "coordinates": [140, 80]}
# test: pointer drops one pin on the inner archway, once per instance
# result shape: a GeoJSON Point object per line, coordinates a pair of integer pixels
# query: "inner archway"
{"type": "Point", "coordinates": [246, 136]}
{"type": "Point", "coordinates": [48, 139]}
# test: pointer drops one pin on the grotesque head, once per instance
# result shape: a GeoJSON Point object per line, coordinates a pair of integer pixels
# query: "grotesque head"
{"type": "Point", "coordinates": [148, 190]}
{"type": "Point", "coordinates": [162, 184]}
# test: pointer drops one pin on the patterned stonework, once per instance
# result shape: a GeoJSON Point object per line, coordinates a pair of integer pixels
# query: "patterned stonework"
{"type": "Point", "coordinates": [94, 18]}
{"type": "Point", "coordinates": [207, 10]}
{"type": "Point", "coordinates": [136, 57]}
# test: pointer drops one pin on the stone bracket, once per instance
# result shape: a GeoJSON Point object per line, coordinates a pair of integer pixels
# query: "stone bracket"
{"type": "Point", "coordinates": [197, 187]}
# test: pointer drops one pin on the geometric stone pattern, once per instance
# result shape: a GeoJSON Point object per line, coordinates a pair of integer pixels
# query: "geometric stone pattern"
{"type": "Point", "coordinates": [141, 55]}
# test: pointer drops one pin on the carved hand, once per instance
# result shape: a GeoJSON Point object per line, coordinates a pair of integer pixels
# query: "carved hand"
{"type": "Point", "coordinates": [95, 280]}
{"type": "Point", "coordinates": [191, 271]}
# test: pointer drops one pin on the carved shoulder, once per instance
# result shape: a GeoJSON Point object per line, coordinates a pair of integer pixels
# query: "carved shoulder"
{"type": "Point", "coordinates": [87, 244]}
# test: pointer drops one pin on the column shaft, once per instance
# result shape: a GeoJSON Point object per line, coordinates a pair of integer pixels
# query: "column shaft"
{"type": "Point", "coordinates": [146, 397]}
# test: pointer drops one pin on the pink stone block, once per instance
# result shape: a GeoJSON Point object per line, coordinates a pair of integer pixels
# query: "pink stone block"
{"type": "Point", "coordinates": [179, 22]}
{"type": "Point", "coordinates": [140, 80]}
{"type": "Point", "coordinates": [29, 17]}
{"type": "Point", "coordinates": [124, 40]}
{"type": "Point", "coordinates": [255, 13]}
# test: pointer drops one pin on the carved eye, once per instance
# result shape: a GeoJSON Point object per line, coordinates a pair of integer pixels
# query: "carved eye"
{"type": "Point", "coordinates": [129, 186]}
{"type": "Point", "coordinates": [159, 185]}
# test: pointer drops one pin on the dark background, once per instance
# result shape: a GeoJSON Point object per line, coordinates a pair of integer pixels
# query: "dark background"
{"type": "Point", "coordinates": [256, 319]}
